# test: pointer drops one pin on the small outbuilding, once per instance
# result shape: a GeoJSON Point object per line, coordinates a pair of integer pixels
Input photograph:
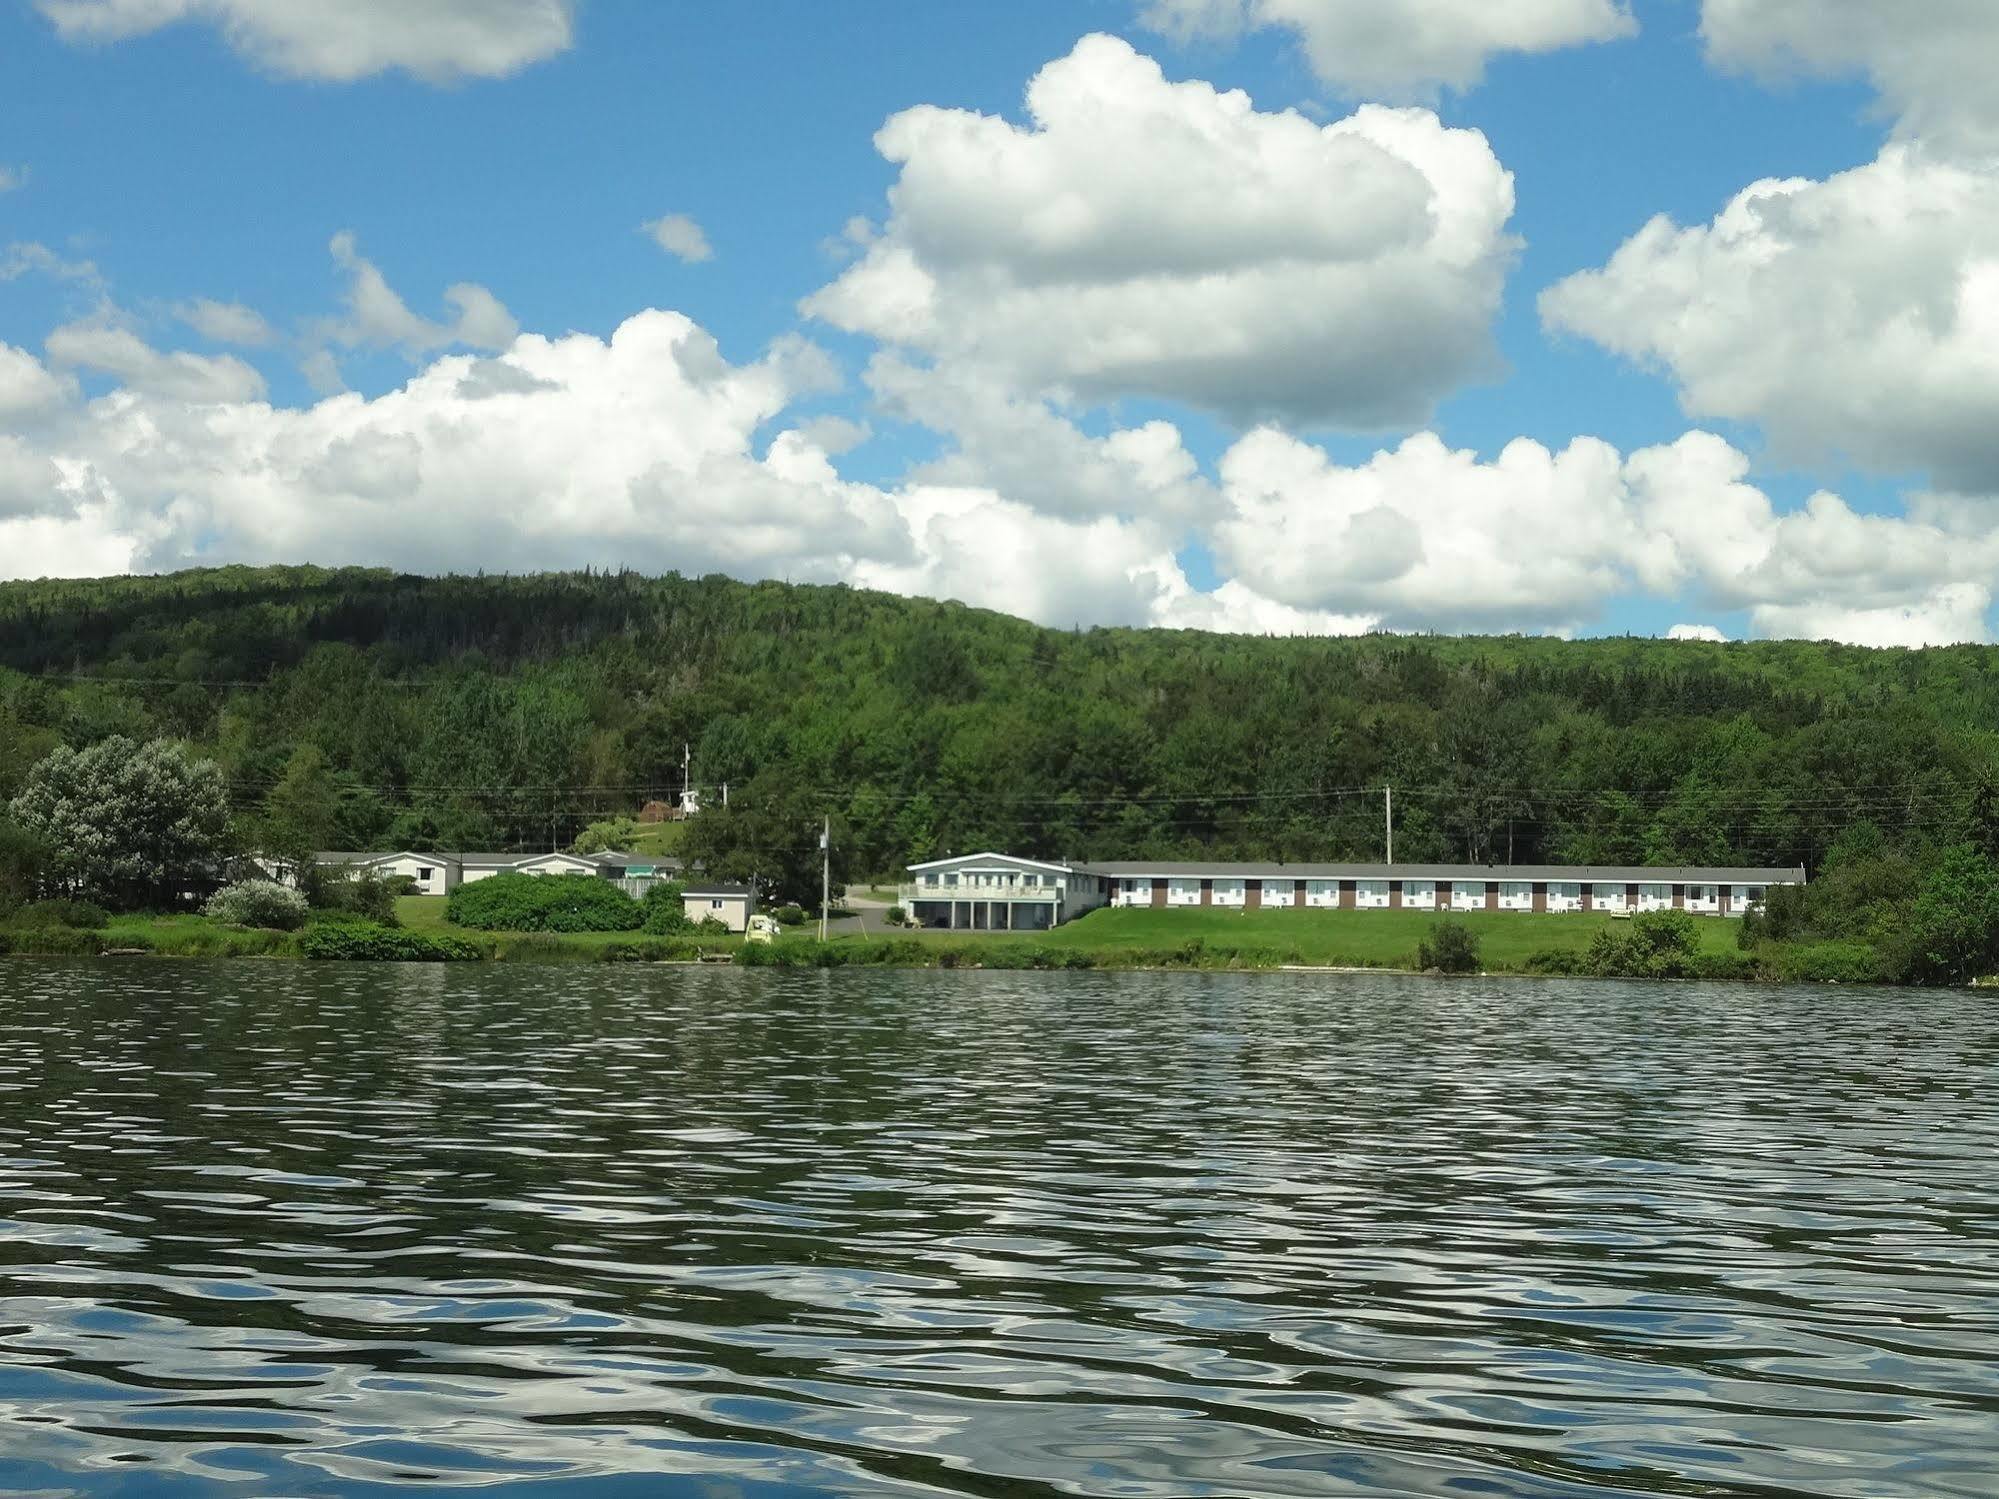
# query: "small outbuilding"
{"type": "Point", "coordinates": [732, 905]}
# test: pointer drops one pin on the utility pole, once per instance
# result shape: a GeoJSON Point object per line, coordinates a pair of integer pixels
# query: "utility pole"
{"type": "Point", "coordinates": [825, 874]}
{"type": "Point", "coordinates": [1388, 820]}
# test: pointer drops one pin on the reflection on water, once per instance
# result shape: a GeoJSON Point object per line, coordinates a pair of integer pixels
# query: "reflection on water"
{"type": "Point", "coordinates": [299, 1230]}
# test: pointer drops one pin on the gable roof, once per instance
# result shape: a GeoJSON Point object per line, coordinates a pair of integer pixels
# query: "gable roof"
{"type": "Point", "coordinates": [1002, 858]}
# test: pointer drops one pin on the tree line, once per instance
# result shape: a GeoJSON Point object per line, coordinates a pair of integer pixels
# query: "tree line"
{"type": "Point", "coordinates": [366, 709]}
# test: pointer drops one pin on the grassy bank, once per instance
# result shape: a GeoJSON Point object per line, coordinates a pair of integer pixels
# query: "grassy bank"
{"type": "Point", "coordinates": [1107, 939]}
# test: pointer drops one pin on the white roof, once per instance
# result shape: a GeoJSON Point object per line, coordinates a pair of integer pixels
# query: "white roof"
{"type": "Point", "coordinates": [1003, 858]}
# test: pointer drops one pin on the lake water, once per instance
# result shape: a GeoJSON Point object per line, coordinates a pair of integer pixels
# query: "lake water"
{"type": "Point", "coordinates": [278, 1229]}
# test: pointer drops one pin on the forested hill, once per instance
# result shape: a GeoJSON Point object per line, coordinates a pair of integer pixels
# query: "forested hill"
{"type": "Point", "coordinates": [513, 710]}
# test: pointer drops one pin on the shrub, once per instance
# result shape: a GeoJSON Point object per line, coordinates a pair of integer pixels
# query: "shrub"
{"type": "Point", "coordinates": [665, 906]}
{"type": "Point", "coordinates": [896, 916]}
{"type": "Point", "coordinates": [1451, 947]}
{"type": "Point", "coordinates": [1825, 963]}
{"type": "Point", "coordinates": [541, 947]}
{"type": "Point", "coordinates": [81, 915]}
{"type": "Point", "coordinates": [368, 895]}
{"type": "Point", "coordinates": [1555, 960]}
{"type": "Point", "coordinates": [1659, 945]}
{"type": "Point", "coordinates": [712, 926]}
{"type": "Point", "coordinates": [648, 952]}
{"type": "Point", "coordinates": [1723, 967]}
{"type": "Point", "coordinates": [368, 942]}
{"type": "Point", "coordinates": [790, 915]}
{"type": "Point", "coordinates": [52, 942]}
{"type": "Point", "coordinates": [260, 903]}
{"type": "Point", "coordinates": [544, 903]}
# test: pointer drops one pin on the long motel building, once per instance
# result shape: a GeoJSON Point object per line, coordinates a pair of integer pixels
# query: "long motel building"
{"type": "Point", "coordinates": [1001, 892]}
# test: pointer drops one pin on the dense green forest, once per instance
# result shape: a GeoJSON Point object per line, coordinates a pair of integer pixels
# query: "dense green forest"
{"type": "Point", "coordinates": [514, 711]}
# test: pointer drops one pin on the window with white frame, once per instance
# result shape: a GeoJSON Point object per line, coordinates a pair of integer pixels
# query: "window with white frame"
{"type": "Point", "coordinates": [1228, 892]}
{"type": "Point", "coordinates": [1607, 897]}
{"type": "Point", "coordinates": [1280, 892]}
{"type": "Point", "coordinates": [1372, 894]}
{"type": "Point", "coordinates": [1322, 892]}
{"type": "Point", "coordinates": [1655, 897]}
{"type": "Point", "coordinates": [1420, 893]}
{"type": "Point", "coordinates": [1468, 895]}
{"type": "Point", "coordinates": [1183, 892]}
{"type": "Point", "coordinates": [1564, 894]}
{"type": "Point", "coordinates": [1516, 895]}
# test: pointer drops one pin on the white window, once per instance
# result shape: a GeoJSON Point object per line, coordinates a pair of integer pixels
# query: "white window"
{"type": "Point", "coordinates": [1371, 894]}
{"type": "Point", "coordinates": [1516, 895]}
{"type": "Point", "coordinates": [1227, 893]}
{"type": "Point", "coordinates": [423, 874]}
{"type": "Point", "coordinates": [1468, 895]}
{"type": "Point", "coordinates": [715, 905]}
{"type": "Point", "coordinates": [1322, 892]}
{"type": "Point", "coordinates": [1280, 892]}
{"type": "Point", "coordinates": [1419, 893]}
{"type": "Point", "coordinates": [1564, 897]}
{"type": "Point", "coordinates": [1183, 892]}
{"type": "Point", "coordinates": [1655, 897]}
{"type": "Point", "coordinates": [1607, 897]}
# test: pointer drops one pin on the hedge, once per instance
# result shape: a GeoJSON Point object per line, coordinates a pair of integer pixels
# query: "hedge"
{"type": "Point", "coordinates": [370, 942]}
{"type": "Point", "coordinates": [544, 903]}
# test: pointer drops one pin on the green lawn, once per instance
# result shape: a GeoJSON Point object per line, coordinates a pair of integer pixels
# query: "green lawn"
{"type": "Point", "coordinates": [1347, 939]}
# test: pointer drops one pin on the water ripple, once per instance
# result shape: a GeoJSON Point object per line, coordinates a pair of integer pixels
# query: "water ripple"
{"type": "Point", "coordinates": [344, 1231]}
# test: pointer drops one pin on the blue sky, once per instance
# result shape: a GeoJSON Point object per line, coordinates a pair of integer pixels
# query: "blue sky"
{"type": "Point", "coordinates": [1236, 471]}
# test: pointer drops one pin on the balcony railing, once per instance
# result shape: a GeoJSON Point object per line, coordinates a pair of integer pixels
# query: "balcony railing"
{"type": "Point", "coordinates": [999, 890]}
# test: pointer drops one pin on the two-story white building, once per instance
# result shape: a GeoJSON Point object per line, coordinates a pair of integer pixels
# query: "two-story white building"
{"type": "Point", "coordinates": [1000, 893]}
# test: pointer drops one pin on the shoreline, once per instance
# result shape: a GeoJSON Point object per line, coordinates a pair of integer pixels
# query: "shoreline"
{"type": "Point", "coordinates": [1327, 943]}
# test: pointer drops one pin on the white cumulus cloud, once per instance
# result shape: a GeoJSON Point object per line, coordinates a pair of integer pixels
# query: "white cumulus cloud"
{"type": "Point", "coordinates": [1424, 537]}
{"type": "Point", "coordinates": [225, 322]}
{"type": "Point", "coordinates": [341, 40]}
{"type": "Point", "coordinates": [1930, 60]}
{"type": "Point", "coordinates": [107, 347]}
{"type": "Point", "coordinates": [1402, 48]}
{"type": "Point", "coordinates": [1168, 239]}
{"type": "Point", "coordinates": [1854, 318]}
{"type": "Point", "coordinates": [1710, 633]}
{"type": "Point", "coordinates": [681, 237]}
{"type": "Point", "coordinates": [377, 316]}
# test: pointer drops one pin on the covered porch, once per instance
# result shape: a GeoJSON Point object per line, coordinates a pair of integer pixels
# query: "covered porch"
{"type": "Point", "coordinates": [976, 912]}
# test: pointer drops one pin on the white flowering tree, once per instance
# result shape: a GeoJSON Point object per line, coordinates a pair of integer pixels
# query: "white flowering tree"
{"type": "Point", "coordinates": [132, 826]}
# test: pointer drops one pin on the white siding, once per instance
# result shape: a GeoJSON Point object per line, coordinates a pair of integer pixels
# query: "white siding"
{"type": "Point", "coordinates": [1608, 897]}
{"type": "Point", "coordinates": [1655, 897]}
{"type": "Point", "coordinates": [1133, 893]}
{"type": "Point", "coordinates": [1704, 900]}
{"type": "Point", "coordinates": [1565, 897]}
{"type": "Point", "coordinates": [1371, 895]}
{"type": "Point", "coordinates": [1419, 895]}
{"type": "Point", "coordinates": [1746, 896]}
{"type": "Point", "coordinates": [1280, 892]}
{"type": "Point", "coordinates": [1322, 892]}
{"type": "Point", "coordinates": [1228, 893]}
{"type": "Point", "coordinates": [1468, 895]}
{"type": "Point", "coordinates": [432, 874]}
{"type": "Point", "coordinates": [1183, 892]}
{"type": "Point", "coordinates": [1516, 895]}
{"type": "Point", "coordinates": [733, 911]}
